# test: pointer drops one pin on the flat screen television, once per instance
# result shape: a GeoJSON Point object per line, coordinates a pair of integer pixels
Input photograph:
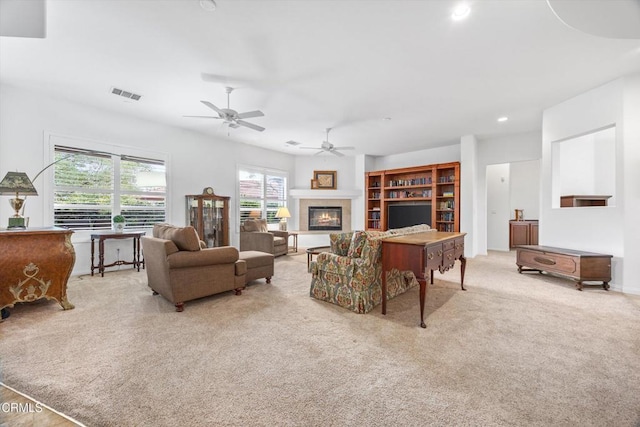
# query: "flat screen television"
{"type": "Point", "coordinates": [399, 216]}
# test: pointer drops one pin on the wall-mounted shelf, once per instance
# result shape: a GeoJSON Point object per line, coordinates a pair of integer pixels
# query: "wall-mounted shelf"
{"type": "Point", "coordinates": [574, 201]}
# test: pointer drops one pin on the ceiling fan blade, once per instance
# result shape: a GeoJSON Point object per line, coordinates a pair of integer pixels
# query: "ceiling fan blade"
{"type": "Point", "coordinates": [344, 148]}
{"type": "Point", "coordinates": [250, 114]}
{"type": "Point", "coordinates": [337, 153]}
{"type": "Point", "coordinates": [319, 152]}
{"type": "Point", "coordinates": [250, 125]}
{"type": "Point", "coordinates": [213, 107]}
{"type": "Point", "coordinates": [203, 117]}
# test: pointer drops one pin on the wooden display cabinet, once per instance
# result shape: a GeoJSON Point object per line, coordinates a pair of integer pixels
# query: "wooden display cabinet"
{"type": "Point", "coordinates": [209, 215]}
{"type": "Point", "coordinates": [437, 186]}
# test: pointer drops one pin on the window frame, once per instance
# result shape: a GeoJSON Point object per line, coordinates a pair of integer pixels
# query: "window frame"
{"type": "Point", "coordinates": [264, 172]}
{"type": "Point", "coordinates": [52, 140]}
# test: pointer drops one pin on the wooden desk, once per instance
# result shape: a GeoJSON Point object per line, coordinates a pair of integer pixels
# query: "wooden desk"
{"type": "Point", "coordinates": [35, 263]}
{"type": "Point", "coordinates": [421, 252]}
{"type": "Point", "coordinates": [104, 235]}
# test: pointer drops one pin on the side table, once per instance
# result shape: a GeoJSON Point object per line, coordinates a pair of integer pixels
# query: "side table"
{"type": "Point", "coordinates": [104, 235]}
{"type": "Point", "coordinates": [315, 251]}
{"type": "Point", "coordinates": [294, 234]}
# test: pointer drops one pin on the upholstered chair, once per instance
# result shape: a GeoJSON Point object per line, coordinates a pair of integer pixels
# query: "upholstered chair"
{"type": "Point", "coordinates": [180, 269]}
{"type": "Point", "coordinates": [254, 236]}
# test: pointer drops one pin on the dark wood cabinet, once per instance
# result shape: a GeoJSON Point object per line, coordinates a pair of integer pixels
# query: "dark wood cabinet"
{"type": "Point", "coordinates": [35, 263]}
{"type": "Point", "coordinates": [209, 215]}
{"type": "Point", "coordinates": [523, 233]}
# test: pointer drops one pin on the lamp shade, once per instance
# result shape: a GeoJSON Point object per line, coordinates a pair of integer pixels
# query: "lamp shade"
{"type": "Point", "coordinates": [17, 182]}
{"type": "Point", "coordinates": [283, 213]}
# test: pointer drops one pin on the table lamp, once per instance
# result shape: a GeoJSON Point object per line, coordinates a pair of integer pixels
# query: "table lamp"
{"type": "Point", "coordinates": [283, 214]}
{"type": "Point", "coordinates": [17, 183]}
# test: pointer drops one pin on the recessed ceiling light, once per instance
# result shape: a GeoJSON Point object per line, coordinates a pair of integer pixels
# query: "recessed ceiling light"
{"type": "Point", "coordinates": [460, 12]}
{"type": "Point", "coordinates": [387, 119]}
{"type": "Point", "coordinates": [208, 5]}
{"type": "Point", "coordinates": [503, 119]}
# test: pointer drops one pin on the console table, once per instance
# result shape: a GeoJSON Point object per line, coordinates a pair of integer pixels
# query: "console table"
{"type": "Point", "coordinates": [421, 252]}
{"type": "Point", "coordinates": [104, 235]}
{"type": "Point", "coordinates": [577, 265]}
{"type": "Point", "coordinates": [35, 263]}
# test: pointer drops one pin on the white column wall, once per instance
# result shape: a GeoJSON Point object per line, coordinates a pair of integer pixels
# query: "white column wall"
{"type": "Point", "coordinates": [469, 216]}
{"type": "Point", "coordinates": [631, 185]}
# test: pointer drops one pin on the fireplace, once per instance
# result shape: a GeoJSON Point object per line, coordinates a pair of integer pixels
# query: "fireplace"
{"type": "Point", "coordinates": [325, 218]}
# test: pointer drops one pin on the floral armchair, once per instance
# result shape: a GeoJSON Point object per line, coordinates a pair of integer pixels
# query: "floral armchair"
{"type": "Point", "coordinates": [351, 274]}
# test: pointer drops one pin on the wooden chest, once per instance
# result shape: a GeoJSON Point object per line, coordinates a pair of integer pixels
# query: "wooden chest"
{"type": "Point", "coordinates": [577, 265]}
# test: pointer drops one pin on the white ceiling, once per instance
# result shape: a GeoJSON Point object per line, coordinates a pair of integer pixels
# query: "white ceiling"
{"type": "Point", "coordinates": [314, 64]}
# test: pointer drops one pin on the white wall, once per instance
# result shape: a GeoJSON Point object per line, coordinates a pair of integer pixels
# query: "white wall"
{"type": "Point", "coordinates": [490, 151]}
{"type": "Point", "coordinates": [195, 161]}
{"type": "Point", "coordinates": [449, 153]}
{"type": "Point", "coordinates": [524, 189]}
{"type": "Point", "coordinates": [498, 206]}
{"type": "Point", "coordinates": [631, 184]}
{"type": "Point", "coordinates": [595, 229]}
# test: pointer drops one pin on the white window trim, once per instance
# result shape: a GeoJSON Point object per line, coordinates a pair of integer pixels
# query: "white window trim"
{"type": "Point", "coordinates": [53, 139]}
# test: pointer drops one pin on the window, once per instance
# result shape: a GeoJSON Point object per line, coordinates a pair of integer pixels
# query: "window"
{"type": "Point", "coordinates": [261, 193]}
{"type": "Point", "coordinates": [90, 187]}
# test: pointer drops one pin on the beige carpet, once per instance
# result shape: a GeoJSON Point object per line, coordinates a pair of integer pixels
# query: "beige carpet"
{"type": "Point", "coordinates": [512, 350]}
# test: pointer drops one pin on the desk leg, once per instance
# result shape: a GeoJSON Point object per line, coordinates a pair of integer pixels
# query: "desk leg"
{"type": "Point", "coordinates": [101, 257]}
{"type": "Point", "coordinates": [463, 266]}
{"type": "Point", "coordinates": [137, 258]}
{"type": "Point", "coordinates": [384, 291]}
{"type": "Point", "coordinates": [423, 297]}
{"type": "Point", "coordinates": [92, 253]}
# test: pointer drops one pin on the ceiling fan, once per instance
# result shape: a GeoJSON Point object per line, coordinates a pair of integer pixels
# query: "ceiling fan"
{"type": "Point", "coordinates": [328, 147]}
{"type": "Point", "coordinates": [231, 117]}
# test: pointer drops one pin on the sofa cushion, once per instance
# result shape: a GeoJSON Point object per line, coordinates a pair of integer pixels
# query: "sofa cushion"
{"type": "Point", "coordinates": [185, 238]}
{"type": "Point", "coordinates": [358, 240]}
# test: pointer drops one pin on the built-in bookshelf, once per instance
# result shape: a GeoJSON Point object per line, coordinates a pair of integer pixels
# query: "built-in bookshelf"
{"type": "Point", "coordinates": [429, 193]}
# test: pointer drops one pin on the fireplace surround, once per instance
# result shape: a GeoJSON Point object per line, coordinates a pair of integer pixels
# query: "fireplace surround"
{"type": "Point", "coordinates": [325, 218]}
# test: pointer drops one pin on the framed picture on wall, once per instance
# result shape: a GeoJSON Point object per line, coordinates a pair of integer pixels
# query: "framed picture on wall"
{"type": "Point", "coordinates": [326, 180]}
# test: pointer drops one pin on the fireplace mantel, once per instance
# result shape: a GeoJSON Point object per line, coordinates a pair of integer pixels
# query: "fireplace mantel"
{"type": "Point", "coordinates": [306, 193]}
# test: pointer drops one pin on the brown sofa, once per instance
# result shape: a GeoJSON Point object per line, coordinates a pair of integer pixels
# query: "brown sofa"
{"type": "Point", "coordinates": [180, 269]}
{"type": "Point", "coordinates": [255, 237]}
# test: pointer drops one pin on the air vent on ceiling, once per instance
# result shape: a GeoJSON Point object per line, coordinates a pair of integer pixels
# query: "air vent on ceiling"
{"type": "Point", "coordinates": [126, 94]}
{"type": "Point", "coordinates": [294, 143]}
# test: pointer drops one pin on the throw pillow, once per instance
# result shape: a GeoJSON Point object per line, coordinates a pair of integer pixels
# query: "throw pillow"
{"type": "Point", "coordinates": [263, 225]}
{"type": "Point", "coordinates": [185, 238]}
{"type": "Point", "coordinates": [358, 240]}
{"type": "Point", "coordinates": [251, 225]}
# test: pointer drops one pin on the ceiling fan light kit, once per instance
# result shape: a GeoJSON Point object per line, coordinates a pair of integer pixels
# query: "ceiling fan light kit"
{"type": "Point", "coordinates": [231, 117]}
{"type": "Point", "coordinates": [328, 147]}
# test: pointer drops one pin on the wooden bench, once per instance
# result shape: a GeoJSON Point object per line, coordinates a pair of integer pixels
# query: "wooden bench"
{"type": "Point", "coordinates": [577, 265]}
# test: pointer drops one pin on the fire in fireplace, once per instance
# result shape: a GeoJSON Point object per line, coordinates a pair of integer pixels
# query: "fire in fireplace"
{"type": "Point", "coordinates": [325, 218]}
